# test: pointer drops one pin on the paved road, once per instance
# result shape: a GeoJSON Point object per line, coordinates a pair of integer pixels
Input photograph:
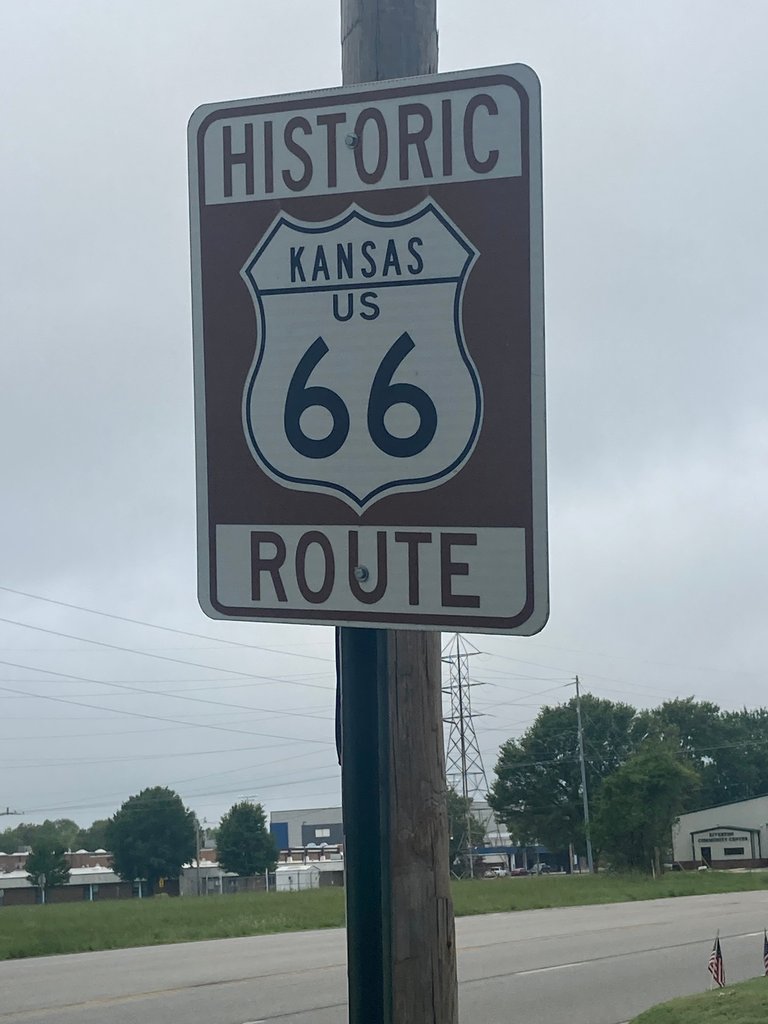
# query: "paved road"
{"type": "Point", "coordinates": [583, 965]}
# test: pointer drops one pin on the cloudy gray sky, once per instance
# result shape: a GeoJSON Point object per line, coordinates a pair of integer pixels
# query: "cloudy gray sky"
{"type": "Point", "coordinates": [655, 164]}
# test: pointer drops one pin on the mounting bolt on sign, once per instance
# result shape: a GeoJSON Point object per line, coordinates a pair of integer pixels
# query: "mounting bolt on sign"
{"type": "Point", "coordinates": [368, 320]}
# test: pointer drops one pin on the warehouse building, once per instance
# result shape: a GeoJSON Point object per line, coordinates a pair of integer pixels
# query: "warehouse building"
{"type": "Point", "coordinates": [731, 835]}
{"type": "Point", "coordinates": [310, 825]}
{"type": "Point", "coordinates": [90, 883]}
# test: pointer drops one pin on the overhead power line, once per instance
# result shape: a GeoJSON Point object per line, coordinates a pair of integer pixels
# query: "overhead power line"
{"type": "Point", "coordinates": [95, 800]}
{"type": "Point", "coordinates": [189, 796]}
{"type": "Point", "coordinates": [172, 696]}
{"type": "Point", "coordinates": [159, 718]}
{"type": "Point", "coordinates": [164, 629]}
{"type": "Point", "coordinates": [85, 762]}
{"type": "Point", "coordinates": [149, 654]}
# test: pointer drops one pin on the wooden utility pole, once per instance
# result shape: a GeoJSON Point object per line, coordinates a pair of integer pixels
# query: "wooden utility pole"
{"type": "Point", "coordinates": [584, 794]}
{"type": "Point", "coordinates": [383, 39]}
{"type": "Point", "coordinates": [284, 514]}
{"type": "Point", "coordinates": [400, 929]}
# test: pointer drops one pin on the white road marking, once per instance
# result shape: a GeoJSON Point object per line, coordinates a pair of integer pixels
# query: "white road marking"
{"type": "Point", "coordinates": [584, 963]}
{"type": "Point", "coordinates": [554, 967]}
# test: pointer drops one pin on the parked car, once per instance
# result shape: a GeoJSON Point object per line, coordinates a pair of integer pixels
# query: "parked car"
{"type": "Point", "coordinates": [496, 873]}
{"type": "Point", "coordinates": [541, 869]}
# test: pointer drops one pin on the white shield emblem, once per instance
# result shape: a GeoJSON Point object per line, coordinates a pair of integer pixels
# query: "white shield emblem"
{"type": "Point", "coordinates": [361, 384]}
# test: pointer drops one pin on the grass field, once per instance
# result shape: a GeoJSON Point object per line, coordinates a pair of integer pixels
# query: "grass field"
{"type": "Point", "coordinates": [75, 928]}
{"type": "Point", "coordinates": [746, 1003]}
{"type": "Point", "coordinates": [534, 893]}
{"type": "Point", "coordinates": [115, 924]}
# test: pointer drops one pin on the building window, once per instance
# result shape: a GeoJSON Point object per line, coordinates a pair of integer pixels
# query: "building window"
{"type": "Point", "coordinates": [322, 833]}
{"type": "Point", "coordinates": [734, 851]}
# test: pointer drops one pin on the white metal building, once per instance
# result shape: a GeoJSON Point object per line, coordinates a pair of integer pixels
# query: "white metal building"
{"type": "Point", "coordinates": [724, 836]}
{"type": "Point", "coordinates": [295, 877]}
{"type": "Point", "coordinates": [292, 877]}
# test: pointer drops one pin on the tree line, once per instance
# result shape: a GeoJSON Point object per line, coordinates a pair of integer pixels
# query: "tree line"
{"type": "Point", "coordinates": [61, 832]}
{"type": "Point", "coordinates": [150, 837]}
{"type": "Point", "coordinates": [644, 768]}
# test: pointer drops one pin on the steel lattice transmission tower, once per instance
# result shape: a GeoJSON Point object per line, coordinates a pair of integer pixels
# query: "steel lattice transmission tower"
{"type": "Point", "coordinates": [464, 770]}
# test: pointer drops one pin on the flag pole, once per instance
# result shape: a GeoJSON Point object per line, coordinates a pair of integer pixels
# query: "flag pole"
{"type": "Point", "coordinates": [715, 964]}
{"type": "Point", "coordinates": [714, 947]}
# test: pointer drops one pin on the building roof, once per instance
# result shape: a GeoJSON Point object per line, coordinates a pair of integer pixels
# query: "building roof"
{"type": "Point", "coordinates": [728, 803]}
{"type": "Point", "coordinates": [334, 812]}
{"type": "Point", "coordinates": [17, 879]}
{"type": "Point", "coordinates": [724, 828]}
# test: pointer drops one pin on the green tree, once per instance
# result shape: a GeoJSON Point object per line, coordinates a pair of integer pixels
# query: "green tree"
{"type": "Point", "coordinates": [46, 867]}
{"type": "Point", "coordinates": [461, 821]}
{"type": "Point", "coordinates": [694, 727]}
{"type": "Point", "coordinates": [151, 836]}
{"type": "Point", "coordinates": [537, 791]}
{"type": "Point", "coordinates": [66, 831]}
{"type": "Point", "coordinates": [639, 802]}
{"type": "Point", "coordinates": [61, 832]}
{"type": "Point", "coordinates": [94, 837]}
{"type": "Point", "coordinates": [736, 765]}
{"type": "Point", "coordinates": [243, 841]}
{"type": "Point", "coordinates": [729, 749]}
{"type": "Point", "coordinates": [690, 723]}
{"type": "Point", "coordinates": [9, 841]}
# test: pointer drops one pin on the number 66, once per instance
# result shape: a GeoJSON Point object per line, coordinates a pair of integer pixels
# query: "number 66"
{"type": "Point", "coordinates": [383, 395]}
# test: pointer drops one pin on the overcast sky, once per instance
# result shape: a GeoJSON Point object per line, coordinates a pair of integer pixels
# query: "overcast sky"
{"type": "Point", "coordinates": [656, 216]}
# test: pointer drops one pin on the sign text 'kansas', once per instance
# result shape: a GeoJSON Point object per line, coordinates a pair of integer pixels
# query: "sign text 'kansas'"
{"type": "Point", "coordinates": [368, 323]}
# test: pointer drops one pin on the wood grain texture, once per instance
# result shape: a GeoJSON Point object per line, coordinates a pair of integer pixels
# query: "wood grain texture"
{"type": "Point", "coordinates": [424, 986]}
{"type": "Point", "coordinates": [383, 39]}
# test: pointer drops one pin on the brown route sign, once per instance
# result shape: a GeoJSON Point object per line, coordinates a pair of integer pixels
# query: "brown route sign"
{"type": "Point", "coordinates": [369, 354]}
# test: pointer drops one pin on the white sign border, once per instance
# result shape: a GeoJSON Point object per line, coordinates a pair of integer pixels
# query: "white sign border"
{"type": "Point", "coordinates": [528, 79]}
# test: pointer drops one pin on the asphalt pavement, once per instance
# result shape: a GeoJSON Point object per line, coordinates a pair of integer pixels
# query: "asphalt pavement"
{"type": "Point", "coordinates": [581, 965]}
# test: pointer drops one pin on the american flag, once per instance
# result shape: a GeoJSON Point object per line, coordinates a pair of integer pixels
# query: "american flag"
{"type": "Point", "coordinates": [715, 965]}
{"type": "Point", "coordinates": [765, 952]}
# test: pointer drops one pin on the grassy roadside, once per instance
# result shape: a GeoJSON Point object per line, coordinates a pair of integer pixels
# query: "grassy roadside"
{"type": "Point", "coordinates": [746, 1003]}
{"type": "Point", "coordinates": [535, 893]}
{"type": "Point", "coordinates": [79, 927]}
{"type": "Point", "coordinates": [117, 924]}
